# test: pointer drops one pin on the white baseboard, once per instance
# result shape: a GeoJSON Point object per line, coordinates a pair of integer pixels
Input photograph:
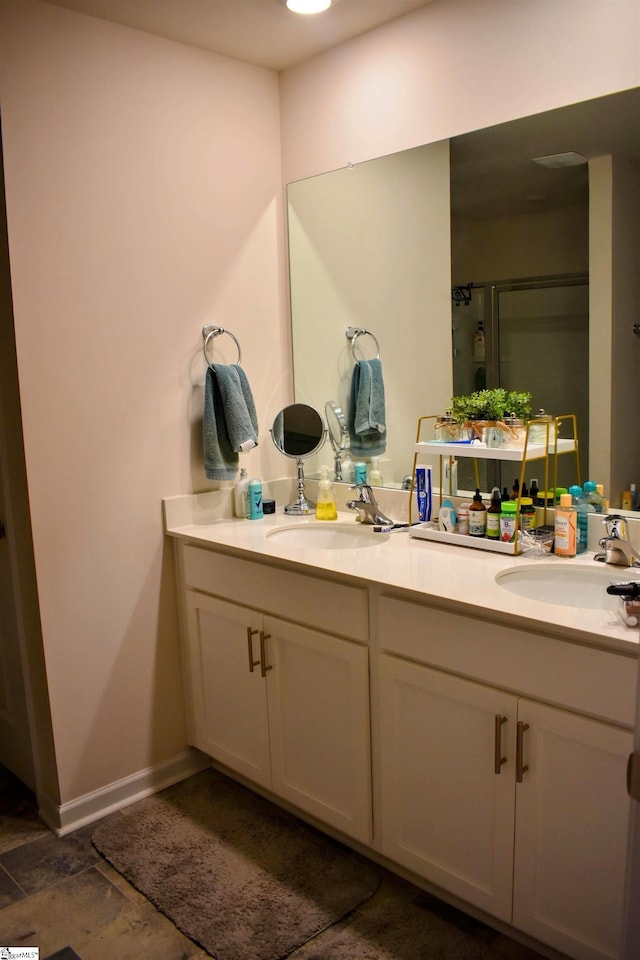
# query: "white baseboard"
{"type": "Point", "coordinates": [63, 818]}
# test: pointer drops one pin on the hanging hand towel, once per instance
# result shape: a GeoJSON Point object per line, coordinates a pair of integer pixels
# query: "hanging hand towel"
{"type": "Point", "coordinates": [367, 423]}
{"type": "Point", "coordinates": [230, 424]}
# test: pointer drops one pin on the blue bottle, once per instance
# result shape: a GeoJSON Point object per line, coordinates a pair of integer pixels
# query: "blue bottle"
{"type": "Point", "coordinates": [583, 510]}
{"type": "Point", "coordinates": [255, 500]}
{"type": "Point", "coordinates": [360, 472]}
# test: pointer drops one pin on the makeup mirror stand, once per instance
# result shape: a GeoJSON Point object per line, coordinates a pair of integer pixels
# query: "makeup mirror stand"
{"type": "Point", "coordinates": [297, 432]}
{"type": "Point", "coordinates": [301, 506]}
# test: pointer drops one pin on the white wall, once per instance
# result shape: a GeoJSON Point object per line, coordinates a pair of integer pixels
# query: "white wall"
{"type": "Point", "coordinates": [450, 68]}
{"type": "Point", "coordinates": [143, 201]}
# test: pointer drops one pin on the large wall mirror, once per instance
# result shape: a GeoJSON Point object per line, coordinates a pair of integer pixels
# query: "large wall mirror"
{"type": "Point", "coordinates": [421, 246]}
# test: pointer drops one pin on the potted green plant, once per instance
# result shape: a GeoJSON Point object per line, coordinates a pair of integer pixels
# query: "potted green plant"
{"type": "Point", "coordinates": [504, 410]}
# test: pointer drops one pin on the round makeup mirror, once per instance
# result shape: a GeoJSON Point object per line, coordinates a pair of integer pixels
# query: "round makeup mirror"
{"type": "Point", "coordinates": [298, 431]}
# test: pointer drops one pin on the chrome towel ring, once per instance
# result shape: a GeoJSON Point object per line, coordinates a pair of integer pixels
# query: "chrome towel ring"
{"type": "Point", "coordinates": [354, 332]}
{"type": "Point", "coordinates": [209, 332]}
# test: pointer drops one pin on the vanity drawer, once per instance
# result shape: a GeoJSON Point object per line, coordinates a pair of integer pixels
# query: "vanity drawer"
{"type": "Point", "coordinates": [313, 601]}
{"type": "Point", "coordinates": [595, 682]}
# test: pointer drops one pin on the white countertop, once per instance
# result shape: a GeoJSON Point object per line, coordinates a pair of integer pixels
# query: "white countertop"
{"type": "Point", "coordinates": [456, 577]}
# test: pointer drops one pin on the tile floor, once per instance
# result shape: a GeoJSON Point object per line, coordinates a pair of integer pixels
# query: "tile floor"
{"type": "Point", "coordinates": [59, 894]}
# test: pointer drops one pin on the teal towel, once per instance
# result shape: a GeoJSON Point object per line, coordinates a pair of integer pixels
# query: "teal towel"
{"type": "Point", "coordinates": [230, 424]}
{"type": "Point", "coordinates": [367, 420]}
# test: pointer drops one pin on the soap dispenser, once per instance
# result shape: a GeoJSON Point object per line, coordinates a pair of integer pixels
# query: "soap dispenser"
{"type": "Point", "coordinates": [326, 504]}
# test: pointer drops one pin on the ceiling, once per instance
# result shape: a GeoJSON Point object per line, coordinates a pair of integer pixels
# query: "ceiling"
{"type": "Point", "coordinates": [262, 32]}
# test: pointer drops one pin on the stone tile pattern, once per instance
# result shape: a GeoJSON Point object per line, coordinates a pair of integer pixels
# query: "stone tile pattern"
{"type": "Point", "coordinates": [60, 895]}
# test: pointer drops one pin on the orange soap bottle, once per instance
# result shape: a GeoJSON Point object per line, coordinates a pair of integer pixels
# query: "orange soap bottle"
{"type": "Point", "coordinates": [566, 527]}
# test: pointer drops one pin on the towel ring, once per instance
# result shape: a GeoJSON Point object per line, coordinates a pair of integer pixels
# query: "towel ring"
{"type": "Point", "coordinates": [209, 332]}
{"type": "Point", "coordinates": [354, 332]}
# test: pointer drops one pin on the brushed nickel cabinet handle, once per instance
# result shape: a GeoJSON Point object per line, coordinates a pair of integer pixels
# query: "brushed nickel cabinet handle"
{"type": "Point", "coordinates": [521, 767]}
{"type": "Point", "coordinates": [252, 663]}
{"type": "Point", "coordinates": [498, 759]}
{"type": "Point", "coordinates": [263, 654]}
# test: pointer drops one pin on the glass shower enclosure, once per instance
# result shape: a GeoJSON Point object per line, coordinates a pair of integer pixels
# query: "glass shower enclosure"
{"type": "Point", "coordinates": [536, 339]}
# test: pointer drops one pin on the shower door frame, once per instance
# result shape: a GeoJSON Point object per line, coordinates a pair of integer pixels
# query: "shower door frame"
{"type": "Point", "coordinates": [492, 291]}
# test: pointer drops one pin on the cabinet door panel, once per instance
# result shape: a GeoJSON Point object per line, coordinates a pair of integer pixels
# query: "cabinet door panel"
{"type": "Point", "coordinates": [571, 827]}
{"type": "Point", "coordinates": [318, 691]}
{"type": "Point", "coordinates": [446, 814]}
{"type": "Point", "coordinates": [229, 718]}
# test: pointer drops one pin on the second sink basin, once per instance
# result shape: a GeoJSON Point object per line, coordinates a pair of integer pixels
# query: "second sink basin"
{"type": "Point", "coordinates": [327, 535]}
{"type": "Point", "coordinates": [566, 585]}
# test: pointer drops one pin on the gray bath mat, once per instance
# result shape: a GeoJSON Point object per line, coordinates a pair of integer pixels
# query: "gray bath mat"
{"type": "Point", "coordinates": [241, 877]}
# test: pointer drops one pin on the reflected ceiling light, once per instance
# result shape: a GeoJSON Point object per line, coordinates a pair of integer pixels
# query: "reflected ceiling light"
{"type": "Point", "coordinates": [308, 6]}
{"type": "Point", "coordinates": [556, 160]}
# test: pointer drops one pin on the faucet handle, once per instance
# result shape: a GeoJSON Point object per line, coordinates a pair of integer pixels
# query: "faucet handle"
{"type": "Point", "coordinates": [617, 527]}
{"type": "Point", "coordinates": [365, 493]}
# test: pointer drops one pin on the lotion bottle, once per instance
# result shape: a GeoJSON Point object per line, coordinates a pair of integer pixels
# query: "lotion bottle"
{"type": "Point", "coordinates": [241, 495]}
{"type": "Point", "coordinates": [326, 505]}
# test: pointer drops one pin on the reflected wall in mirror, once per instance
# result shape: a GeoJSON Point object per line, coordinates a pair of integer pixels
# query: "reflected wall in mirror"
{"type": "Point", "coordinates": [371, 246]}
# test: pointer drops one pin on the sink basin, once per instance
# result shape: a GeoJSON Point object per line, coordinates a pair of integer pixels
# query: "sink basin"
{"type": "Point", "coordinates": [566, 585]}
{"type": "Point", "coordinates": [327, 535]}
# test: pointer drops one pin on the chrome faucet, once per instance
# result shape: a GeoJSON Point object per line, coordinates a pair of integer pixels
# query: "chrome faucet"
{"type": "Point", "coordinates": [366, 505]}
{"type": "Point", "coordinates": [617, 547]}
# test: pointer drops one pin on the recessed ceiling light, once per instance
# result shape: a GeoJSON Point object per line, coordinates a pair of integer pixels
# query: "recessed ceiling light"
{"type": "Point", "coordinates": [556, 160]}
{"type": "Point", "coordinates": [308, 6]}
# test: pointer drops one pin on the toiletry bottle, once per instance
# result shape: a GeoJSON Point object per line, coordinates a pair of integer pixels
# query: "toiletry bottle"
{"type": "Point", "coordinates": [477, 516]}
{"type": "Point", "coordinates": [626, 500]}
{"type": "Point", "coordinates": [592, 496]}
{"type": "Point", "coordinates": [524, 492]}
{"type": "Point", "coordinates": [634, 496]}
{"type": "Point", "coordinates": [360, 472]}
{"type": "Point", "coordinates": [493, 515]}
{"type": "Point", "coordinates": [480, 378]}
{"type": "Point", "coordinates": [527, 514]}
{"type": "Point", "coordinates": [447, 519]}
{"type": "Point", "coordinates": [508, 521]}
{"type": "Point", "coordinates": [583, 508]}
{"type": "Point", "coordinates": [241, 495]}
{"type": "Point", "coordinates": [515, 489]}
{"type": "Point", "coordinates": [423, 493]}
{"type": "Point", "coordinates": [533, 489]}
{"type": "Point", "coordinates": [255, 500]}
{"type": "Point", "coordinates": [347, 468]}
{"type": "Point", "coordinates": [375, 477]}
{"type": "Point", "coordinates": [605, 502]}
{"type": "Point", "coordinates": [450, 480]}
{"type": "Point", "coordinates": [565, 528]}
{"type": "Point", "coordinates": [478, 343]}
{"type": "Point", "coordinates": [463, 518]}
{"type": "Point", "coordinates": [505, 495]}
{"type": "Point", "coordinates": [326, 505]}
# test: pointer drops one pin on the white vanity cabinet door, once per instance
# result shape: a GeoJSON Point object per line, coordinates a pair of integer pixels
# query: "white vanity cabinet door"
{"type": "Point", "coordinates": [446, 814]}
{"type": "Point", "coordinates": [227, 701]}
{"type": "Point", "coordinates": [571, 831]}
{"type": "Point", "coordinates": [300, 727]}
{"type": "Point", "coordinates": [318, 692]}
